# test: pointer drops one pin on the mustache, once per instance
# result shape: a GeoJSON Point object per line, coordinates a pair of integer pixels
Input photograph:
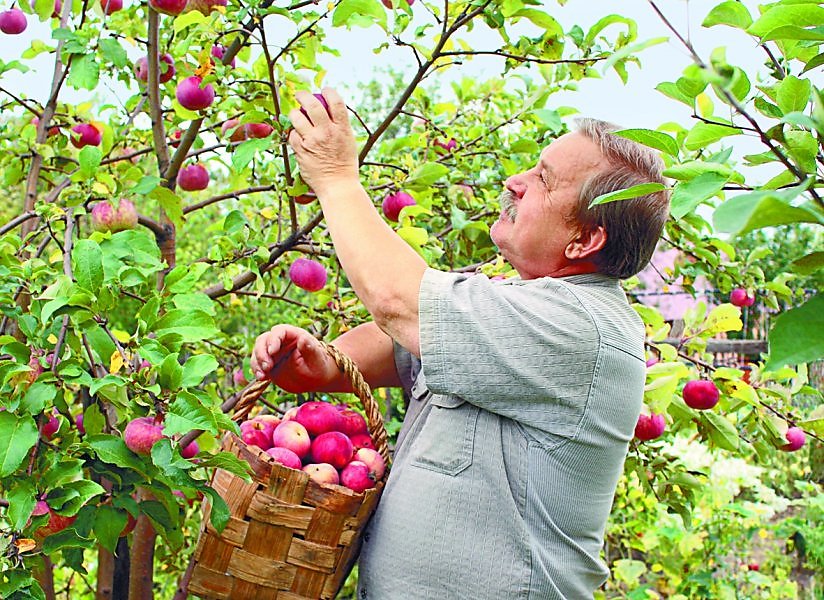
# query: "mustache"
{"type": "Point", "coordinates": [506, 200]}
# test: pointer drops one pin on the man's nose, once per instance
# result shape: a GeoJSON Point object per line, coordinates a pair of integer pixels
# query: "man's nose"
{"type": "Point", "coordinates": [516, 185]}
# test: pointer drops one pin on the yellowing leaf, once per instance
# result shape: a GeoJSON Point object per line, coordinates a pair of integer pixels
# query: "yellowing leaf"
{"type": "Point", "coordinates": [268, 213]}
{"type": "Point", "coordinates": [115, 362]}
{"type": "Point", "coordinates": [52, 339]}
{"type": "Point", "coordinates": [725, 317]}
{"type": "Point", "coordinates": [705, 106]}
{"type": "Point", "coordinates": [120, 335]}
{"type": "Point", "coordinates": [55, 257]}
{"type": "Point", "coordinates": [25, 545]}
{"type": "Point", "coordinates": [101, 188]}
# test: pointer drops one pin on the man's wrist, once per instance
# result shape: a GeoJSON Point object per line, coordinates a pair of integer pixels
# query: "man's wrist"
{"type": "Point", "coordinates": [338, 187]}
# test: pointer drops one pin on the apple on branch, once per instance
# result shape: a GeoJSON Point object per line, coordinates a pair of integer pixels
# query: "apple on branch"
{"type": "Point", "coordinates": [194, 177]}
{"type": "Point", "coordinates": [168, 7]}
{"type": "Point", "coordinates": [167, 68]}
{"type": "Point", "coordinates": [393, 203]}
{"type": "Point", "coordinates": [141, 434]}
{"type": "Point", "coordinates": [85, 134]}
{"type": "Point", "coordinates": [700, 394]}
{"type": "Point", "coordinates": [308, 274]}
{"type": "Point", "coordinates": [106, 217]}
{"type": "Point", "coordinates": [13, 21]}
{"type": "Point", "coordinates": [192, 94]}
{"type": "Point", "coordinates": [740, 297]}
{"type": "Point", "coordinates": [111, 6]}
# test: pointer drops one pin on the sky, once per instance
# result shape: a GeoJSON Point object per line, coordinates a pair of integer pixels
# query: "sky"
{"type": "Point", "coordinates": [636, 104]}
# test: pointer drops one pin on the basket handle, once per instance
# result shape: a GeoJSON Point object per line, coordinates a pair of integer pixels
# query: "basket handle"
{"type": "Point", "coordinates": [374, 418]}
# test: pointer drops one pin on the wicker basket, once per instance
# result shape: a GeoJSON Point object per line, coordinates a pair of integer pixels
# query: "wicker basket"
{"type": "Point", "coordinates": [288, 538]}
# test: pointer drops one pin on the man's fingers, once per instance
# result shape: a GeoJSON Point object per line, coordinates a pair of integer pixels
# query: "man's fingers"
{"type": "Point", "coordinates": [314, 108]}
{"type": "Point", "coordinates": [337, 107]}
{"type": "Point", "coordinates": [300, 122]}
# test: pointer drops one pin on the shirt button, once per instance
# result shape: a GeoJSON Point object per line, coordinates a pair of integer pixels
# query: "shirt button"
{"type": "Point", "coordinates": [363, 593]}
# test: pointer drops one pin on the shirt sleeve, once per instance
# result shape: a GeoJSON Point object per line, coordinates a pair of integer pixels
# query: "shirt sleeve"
{"type": "Point", "coordinates": [524, 349]}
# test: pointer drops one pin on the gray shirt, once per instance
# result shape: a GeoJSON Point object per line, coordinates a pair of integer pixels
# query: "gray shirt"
{"type": "Point", "coordinates": [521, 410]}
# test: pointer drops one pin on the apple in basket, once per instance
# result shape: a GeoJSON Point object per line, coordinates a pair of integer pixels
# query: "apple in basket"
{"type": "Point", "coordinates": [322, 473]}
{"type": "Point", "coordinates": [351, 421]}
{"type": "Point", "coordinates": [256, 434]}
{"type": "Point", "coordinates": [373, 460]}
{"type": "Point", "coordinates": [318, 417]}
{"type": "Point", "coordinates": [362, 440]}
{"type": "Point", "coordinates": [293, 436]}
{"type": "Point", "coordinates": [285, 457]}
{"type": "Point", "coordinates": [357, 476]}
{"type": "Point", "coordinates": [332, 447]}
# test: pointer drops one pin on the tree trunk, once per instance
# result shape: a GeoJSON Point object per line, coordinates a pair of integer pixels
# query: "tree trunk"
{"type": "Point", "coordinates": [45, 576]}
{"type": "Point", "coordinates": [141, 573]}
{"type": "Point", "coordinates": [120, 581]}
{"type": "Point", "coordinates": [105, 574]}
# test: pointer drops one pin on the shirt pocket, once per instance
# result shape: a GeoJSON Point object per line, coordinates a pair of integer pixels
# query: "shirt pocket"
{"type": "Point", "coordinates": [446, 440]}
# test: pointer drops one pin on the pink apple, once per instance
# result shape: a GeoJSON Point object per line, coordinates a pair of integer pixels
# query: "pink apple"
{"type": "Point", "coordinates": [393, 203]}
{"type": "Point", "coordinates": [13, 21]}
{"type": "Point", "coordinates": [700, 394]}
{"type": "Point", "coordinates": [194, 177]}
{"type": "Point", "coordinates": [741, 298]}
{"type": "Point", "coordinates": [362, 440]}
{"type": "Point", "coordinates": [141, 434]}
{"type": "Point", "coordinates": [239, 378]}
{"type": "Point", "coordinates": [51, 426]}
{"type": "Point", "coordinates": [332, 447]}
{"type": "Point", "coordinates": [176, 135]}
{"type": "Point", "coordinates": [168, 7]}
{"type": "Point", "coordinates": [105, 217]}
{"type": "Point", "coordinates": [373, 460]}
{"type": "Point", "coordinates": [53, 130]}
{"type": "Point", "coordinates": [269, 420]}
{"type": "Point", "coordinates": [193, 95]}
{"type": "Point", "coordinates": [446, 146]}
{"type": "Point", "coordinates": [388, 3]}
{"type": "Point", "coordinates": [35, 366]}
{"type": "Point", "coordinates": [166, 64]}
{"type": "Point", "coordinates": [219, 51]}
{"type": "Point", "coordinates": [191, 450]}
{"type": "Point", "coordinates": [351, 421]}
{"type": "Point", "coordinates": [289, 415]}
{"type": "Point", "coordinates": [318, 417]}
{"type": "Point", "coordinates": [292, 435]}
{"type": "Point", "coordinates": [256, 437]}
{"type": "Point", "coordinates": [78, 422]}
{"type": "Point", "coordinates": [357, 477]}
{"type": "Point", "coordinates": [285, 457]}
{"type": "Point", "coordinates": [652, 361]}
{"type": "Point", "coordinates": [264, 425]}
{"type": "Point", "coordinates": [322, 473]}
{"type": "Point", "coordinates": [111, 6]}
{"type": "Point", "coordinates": [308, 274]}
{"type": "Point", "coordinates": [246, 131]}
{"type": "Point", "coordinates": [650, 427]}
{"type": "Point", "coordinates": [204, 6]}
{"type": "Point", "coordinates": [796, 438]}
{"type": "Point", "coordinates": [85, 134]}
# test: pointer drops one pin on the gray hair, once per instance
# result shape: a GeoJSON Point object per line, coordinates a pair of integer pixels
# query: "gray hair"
{"type": "Point", "coordinates": [633, 226]}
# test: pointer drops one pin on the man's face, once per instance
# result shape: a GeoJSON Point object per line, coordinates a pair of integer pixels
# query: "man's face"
{"type": "Point", "coordinates": [534, 228]}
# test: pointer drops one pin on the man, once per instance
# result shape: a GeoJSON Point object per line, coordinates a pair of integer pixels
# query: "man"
{"type": "Point", "coordinates": [523, 393]}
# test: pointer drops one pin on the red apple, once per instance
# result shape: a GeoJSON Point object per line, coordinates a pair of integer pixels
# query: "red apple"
{"type": "Point", "coordinates": [246, 131]}
{"type": "Point", "coordinates": [194, 177]}
{"type": "Point", "coordinates": [285, 457]}
{"type": "Point", "coordinates": [796, 438]}
{"type": "Point", "coordinates": [373, 460]}
{"type": "Point", "coordinates": [332, 447]}
{"type": "Point", "coordinates": [388, 3]}
{"type": "Point", "coordinates": [218, 51]}
{"type": "Point", "coordinates": [78, 422]}
{"type": "Point", "coordinates": [700, 394]}
{"type": "Point", "coordinates": [305, 199]}
{"type": "Point", "coordinates": [239, 378]}
{"type": "Point", "coordinates": [193, 95]}
{"type": "Point", "coordinates": [362, 440]}
{"type": "Point", "coordinates": [13, 21]}
{"type": "Point", "coordinates": [85, 134]}
{"type": "Point", "coordinates": [51, 426]}
{"type": "Point", "coordinates": [191, 450]}
{"type": "Point", "coordinates": [53, 130]}
{"type": "Point", "coordinates": [168, 7]}
{"type": "Point", "coordinates": [650, 427]}
{"type": "Point", "coordinates": [105, 217]}
{"type": "Point", "coordinates": [318, 418]}
{"type": "Point", "coordinates": [357, 477]}
{"type": "Point", "coordinates": [256, 437]}
{"type": "Point", "coordinates": [131, 522]}
{"type": "Point", "coordinates": [393, 203]}
{"type": "Point", "coordinates": [293, 436]}
{"type": "Point", "coordinates": [264, 425]}
{"type": "Point", "coordinates": [141, 434]}
{"type": "Point", "coordinates": [351, 421]}
{"type": "Point", "coordinates": [111, 6]}
{"type": "Point", "coordinates": [753, 566]}
{"type": "Point", "coordinates": [322, 473]}
{"type": "Point", "coordinates": [741, 298]}
{"type": "Point", "coordinates": [176, 135]}
{"type": "Point", "coordinates": [308, 274]}
{"type": "Point", "coordinates": [289, 415]}
{"type": "Point", "coordinates": [166, 64]}
{"type": "Point", "coordinates": [56, 522]}
{"type": "Point", "coordinates": [204, 6]}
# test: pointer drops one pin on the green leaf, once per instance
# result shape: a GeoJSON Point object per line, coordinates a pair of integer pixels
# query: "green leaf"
{"type": "Point", "coordinates": [803, 148]}
{"type": "Point", "coordinates": [425, 175]}
{"type": "Point", "coordinates": [550, 26]}
{"type": "Point", "coordinates": [347, 9]}
{"type": "Point", "coordinates": [693, 168]}
{"type": "Point", "coordinates": [171, 203]}
{"type": "Point", "coordinates": [721, 431]}
{"type": "Point", "coordinates": [219, 510]}
{"type": "Point", "coordinates": [654, 139]}
{"type": "Point", "coordinates": [18, 435]}
{"type": "Point", "coordinates": [729, 13]}
{"type": "Point", "coordinates": [550, 118]}
{"type": "Point", "coordinates": [629, 571]}
{"type": "Point", "coordinates": [635, 191]}
{"type": "Point", "coordinates": [781, 15]}
{"type": "Point", "coordinates": [187, 326]}
{"type": "Point", "coordinates": [627, 51]}
{"type": "Point", "coordinates": [809, 264]}
{"type": "Point", "coordinates": [704, 134]}
{"type": "Point", "coordinates": [689, 194]}
{"type": "Point", "coordinates": [196, 368]}
{"type": "Point", "coordinates": [797, 336]}
{"type": "Point", "coordinates": [38, 395]}
{"type": "Point", "coordinates": [793, 94]}
{"type": "Point", "coordinates": [170, 373]}
{"type": "Point", "coordinates": [90, 157]}
{"type": "Point", "coordinates": [188, 413]}
{"type": "Point", "coordinates": [87, 264]}
{"type": "Point", "coordinates": [84, 72]}
{"type": "Point", "coordinates": [108, 523]}
{"type": "Point", "coordinates": [192, 17]}
{"type": "Point", "coordinates": [112, 449]}
{"type": "Point", "coordinates": [22, 497]}
{"type": "Point", "coordinates": [245, 152]}
{"type": "Point", "coordinates": [113, 52]}
{"type": "Point", "coordinates": [670, 89]}
{"type": "Point", "coordinates": [764, 208]}
{"type": "Point", "coordinates": [68, 538]}
{"type": "Point", "coordinates": [229, 462]}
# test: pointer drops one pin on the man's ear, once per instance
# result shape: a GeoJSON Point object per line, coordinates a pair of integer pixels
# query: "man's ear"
{"type": "Point", "coordinates": [587, 243]}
